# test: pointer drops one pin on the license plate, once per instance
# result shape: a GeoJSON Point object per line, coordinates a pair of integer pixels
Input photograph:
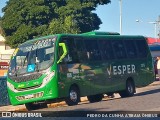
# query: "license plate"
{"type": "Point", "coordinates": [29, 96]}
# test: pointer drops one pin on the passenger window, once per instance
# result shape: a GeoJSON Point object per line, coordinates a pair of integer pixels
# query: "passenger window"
{"type": "Point", "coordinates": [119, 49]}
{"type": "Point", "coordinates": [93, 52]}
{"type": "Point", "coordinates": [106, 49]}
{"type": "Point", "coordinates": [72, 56]}
{"type": "Point", "coordinates": [130, 48]}
{"type": "Point", "coordinates": [141, 48]}
{"type": "Point", "coordinates": [81, 50]}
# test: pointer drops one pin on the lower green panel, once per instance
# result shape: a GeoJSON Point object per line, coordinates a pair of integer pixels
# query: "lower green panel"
{"type": "Point", "coordinates": [50, 91]}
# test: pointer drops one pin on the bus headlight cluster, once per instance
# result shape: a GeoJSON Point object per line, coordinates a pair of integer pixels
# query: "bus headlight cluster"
{"type": "Point", "coordinates": [10, 86]}
{"type": "Point", "coordinates": [47, 78]}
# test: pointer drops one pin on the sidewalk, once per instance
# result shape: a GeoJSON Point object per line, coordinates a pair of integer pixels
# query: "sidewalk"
{"type": "Point", "coordinates": [22, 107]}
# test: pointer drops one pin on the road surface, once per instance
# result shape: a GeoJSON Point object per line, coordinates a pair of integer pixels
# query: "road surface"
{"type": "Point", "coordinates": [147, 100]}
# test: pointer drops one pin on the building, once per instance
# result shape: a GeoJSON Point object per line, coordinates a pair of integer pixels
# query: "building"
{"type": "Point", "coordinates": [5, 51]}
{"type": "Point", "coordinates": [153, 40]}
{"type": "Point", "coordinates": [5, 55]}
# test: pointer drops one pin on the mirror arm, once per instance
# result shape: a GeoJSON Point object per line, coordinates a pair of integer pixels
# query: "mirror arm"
{"type": "Point", "coordinates": [64, 52]}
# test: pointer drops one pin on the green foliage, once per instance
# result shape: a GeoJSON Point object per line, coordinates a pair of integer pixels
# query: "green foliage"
{"type": "Point", "coordinates": [26, 19]}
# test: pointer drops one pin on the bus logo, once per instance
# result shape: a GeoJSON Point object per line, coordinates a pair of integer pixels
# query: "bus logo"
{"type": "Point", "coordinates": [121, 69]}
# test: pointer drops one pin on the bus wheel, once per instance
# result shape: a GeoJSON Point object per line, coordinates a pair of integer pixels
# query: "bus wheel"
{"type": "Point", "coordinates": [129, 91]}
{"type": "Point", "coordinates": [74, 96]}
{"type": "Point", "coordinates": [95, 98]}
{"type": "Point", "coordinates": [33, 106]}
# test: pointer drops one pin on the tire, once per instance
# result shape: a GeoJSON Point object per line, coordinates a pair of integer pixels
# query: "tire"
{"type": "Point", "coordinates": [95, 98]}
{"type": "Point", "coordinates": [32, 106]}
{"type": "Point", "coordinates": [129, 91]}
{"type": "Point", "coordinates": [73, 97]}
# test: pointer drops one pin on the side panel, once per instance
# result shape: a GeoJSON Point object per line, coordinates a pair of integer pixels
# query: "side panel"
{"type": "Point", "coordinates": [146, 73]}
{"type": "Point", "coordinates": [95, 75]}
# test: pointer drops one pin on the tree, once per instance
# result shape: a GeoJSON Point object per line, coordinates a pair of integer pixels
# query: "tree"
{"type": "Point", "coordinates": [26, 19]}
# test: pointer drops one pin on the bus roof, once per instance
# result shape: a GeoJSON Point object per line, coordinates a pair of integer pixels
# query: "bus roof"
{"type": "Point", "coordinates": [100, 33]}
{"type": "Point", "coordinates": [87, 34]}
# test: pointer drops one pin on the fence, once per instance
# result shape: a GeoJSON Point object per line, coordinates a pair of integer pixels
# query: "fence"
{"type": "Point", "coordinates": [4, 99]}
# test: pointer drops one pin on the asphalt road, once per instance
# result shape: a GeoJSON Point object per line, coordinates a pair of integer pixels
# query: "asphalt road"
{"type": "Point", "coordinates": [146, 99]}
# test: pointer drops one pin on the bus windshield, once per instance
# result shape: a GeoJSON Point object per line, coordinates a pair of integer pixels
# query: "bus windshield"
{"type": "Point", "coordinates": [32, 57]}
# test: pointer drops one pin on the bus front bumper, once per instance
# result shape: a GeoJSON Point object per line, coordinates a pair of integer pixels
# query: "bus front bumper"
{"type": "Point", "coordinates": [50, 91]}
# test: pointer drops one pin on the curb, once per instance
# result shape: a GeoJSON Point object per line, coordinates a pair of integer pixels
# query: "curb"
{"type": "Point", "coordinates": [157, 82]}
{"type": "Point", "coordinates": [53, 105]}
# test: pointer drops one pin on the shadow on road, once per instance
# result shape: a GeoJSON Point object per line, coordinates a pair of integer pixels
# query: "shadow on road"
{"type": "Point", "coordinates": [148, 92]}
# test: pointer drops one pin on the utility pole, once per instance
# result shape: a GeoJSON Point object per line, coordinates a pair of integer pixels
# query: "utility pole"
{"type": "Point", "coordinates": [159, 27]}
{"type": "Point", "coordinates": [120, 5]}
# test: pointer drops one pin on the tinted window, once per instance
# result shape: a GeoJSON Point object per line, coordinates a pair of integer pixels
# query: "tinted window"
{"type": "Point", "coordinates": [81, 50]}
{"type": "Point", "coordinates": [130, 48]}
{"type": "Point", "coordinates": [72, 56]}
{"type": "Point", "coordinates": [141, 48]}
{"type": "Point", "coordinates": [119, 49]}
{"type": "Point", "coordinates": [93, 52]}
{"type": "Point", "coordinates": [106, 49]}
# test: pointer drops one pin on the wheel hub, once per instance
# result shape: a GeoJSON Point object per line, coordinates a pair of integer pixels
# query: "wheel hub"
{"type": "Point", "coordinates": [130, 88]}
{"type": "Point", "coordinates": [73, 95]}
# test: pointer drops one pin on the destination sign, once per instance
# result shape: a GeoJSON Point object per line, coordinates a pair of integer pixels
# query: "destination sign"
{"type": "Point", "coordinates": [39, 44]}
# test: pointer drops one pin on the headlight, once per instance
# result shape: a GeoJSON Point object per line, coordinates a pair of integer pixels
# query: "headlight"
{"type": "Point", "coordinates": [10, 86]}
{"type": "Point", "coordinates": [47, 78]}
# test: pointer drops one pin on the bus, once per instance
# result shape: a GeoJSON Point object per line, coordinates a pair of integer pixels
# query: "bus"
{"type": "Point", "coordinates": [155, 52]}
{"type": "Point", "coordinates": [70, 66]}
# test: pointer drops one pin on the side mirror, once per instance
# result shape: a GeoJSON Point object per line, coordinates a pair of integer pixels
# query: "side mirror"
{"type": "Point", "coordinates": [63, 45]}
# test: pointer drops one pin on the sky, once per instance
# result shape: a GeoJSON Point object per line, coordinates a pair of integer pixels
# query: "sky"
{"type": "Point", "coordinates": [144, 11]}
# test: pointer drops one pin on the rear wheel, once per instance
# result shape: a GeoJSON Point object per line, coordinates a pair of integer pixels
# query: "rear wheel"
{"type": "Point", "coordinates": [129, 91]}
{"type": "Point", "coordinates": [95, 98]}
{"type": "Point", "coordinates": [33, 106]}
{"type": "Point", "coordinates": [73, 97]}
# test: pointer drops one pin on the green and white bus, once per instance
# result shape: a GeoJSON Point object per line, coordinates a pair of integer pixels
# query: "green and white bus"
{"type": "Point", "coordinates": [70, 66]}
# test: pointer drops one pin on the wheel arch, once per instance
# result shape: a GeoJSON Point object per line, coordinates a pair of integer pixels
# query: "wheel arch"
{"type": "Point", "coordinates": [75, 85]}
{"type": "Point", "coordinates": [73, 96]}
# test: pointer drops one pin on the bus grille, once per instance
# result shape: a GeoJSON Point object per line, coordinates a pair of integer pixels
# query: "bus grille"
{"type": "Point", "coordinates": [28, 88]}
{"type": "Point", "coordinates": [19, 79]}
{"type": "Point", "coordinates": [31, 96]}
